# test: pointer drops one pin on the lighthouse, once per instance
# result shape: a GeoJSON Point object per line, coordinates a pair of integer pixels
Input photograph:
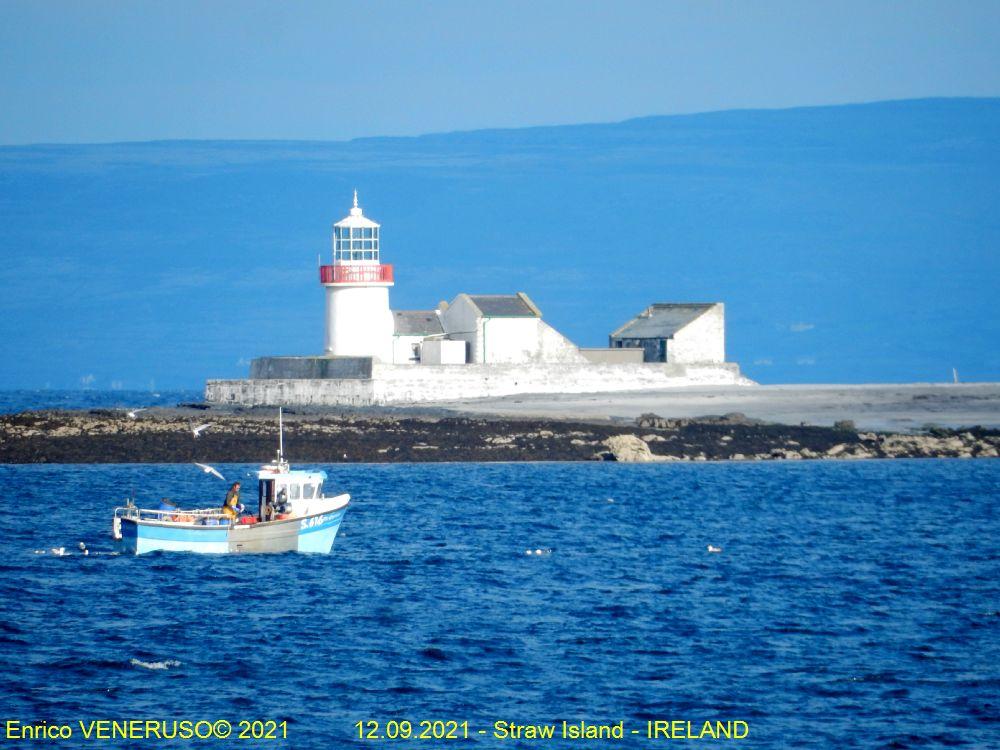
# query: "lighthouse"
{"type": "Point", "coordinates": [358, 320]}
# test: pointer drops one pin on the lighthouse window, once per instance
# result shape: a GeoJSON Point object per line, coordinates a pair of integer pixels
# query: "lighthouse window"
{"type": "Point", "coordinates": [368, 244]}
{"type": "Point", "coordinates": [357, 255]}
{"type": "Point", "coordinates": [368, 233]}
{"type": "Point", "coordinates": [368, 254]}
{"type": "Point", "coordinates": [356, 233]}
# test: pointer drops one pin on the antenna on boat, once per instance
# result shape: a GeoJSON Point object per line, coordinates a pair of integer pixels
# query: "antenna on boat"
{"type": "Point", "coordinates": [281, 438]}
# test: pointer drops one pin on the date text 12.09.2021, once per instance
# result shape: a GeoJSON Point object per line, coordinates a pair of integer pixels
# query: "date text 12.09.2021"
{"type": "Point", "coordinates": [674, 729]}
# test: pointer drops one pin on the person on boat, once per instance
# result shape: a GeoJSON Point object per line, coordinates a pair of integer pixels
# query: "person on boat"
{"type": "Point", "coordinates": [167, 504]}
{"type": "Point", "coordinates": [231, 506]}
{"type": "Point", "coordinates": [281, 505]}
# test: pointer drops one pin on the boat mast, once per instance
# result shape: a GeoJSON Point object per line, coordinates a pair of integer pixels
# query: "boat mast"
{"type": "Point", "coordinates": [281, 438]}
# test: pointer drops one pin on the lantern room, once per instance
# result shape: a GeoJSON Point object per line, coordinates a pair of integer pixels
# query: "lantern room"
{"type": "Point", "coordinates": [355, 238]}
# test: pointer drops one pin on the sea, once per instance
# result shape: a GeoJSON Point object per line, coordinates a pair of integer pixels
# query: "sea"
{"type": "Point", "coordinates": [12, 401]}
{"type": "Point", "coordinates": [850, 605]}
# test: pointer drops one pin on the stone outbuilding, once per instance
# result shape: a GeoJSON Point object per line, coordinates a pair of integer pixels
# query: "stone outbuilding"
{"type": "Point", "coordinates": [506, 329]}
{"type": "Point", "coordinates": [410, 328]}
{"type": "Point", "coordinates": [678, 333]}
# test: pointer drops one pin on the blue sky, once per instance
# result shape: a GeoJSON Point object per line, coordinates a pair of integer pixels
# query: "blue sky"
{"type": "Point", "coordinates": [110, 71]}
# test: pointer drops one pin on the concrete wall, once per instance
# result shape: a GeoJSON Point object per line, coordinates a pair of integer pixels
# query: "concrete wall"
{"type": "Point", "coordinates": [612, 356]}
{"type": "Point", "coordinates": [290, 392]}
{"type": "Point", "coordinates": [461, 322]}
{"type": "Point", "coordinates": [285, 368]}
{"type": "Point", "coordinates": [402, 384]}
{"type": "Point", "coordinates": [402, 349]}
{"type": "Point", "coordinates": [702, 340]}
{"type": "Point", "coordinates": [443, 352]}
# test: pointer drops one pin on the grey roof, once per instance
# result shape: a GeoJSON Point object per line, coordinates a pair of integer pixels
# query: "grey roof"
{"type": "Point", "coordinates": [506, 305]}
{"type": "Point", "coordinates": [662, 320]}
{"type": "Point", "coordinates": [416, 322]}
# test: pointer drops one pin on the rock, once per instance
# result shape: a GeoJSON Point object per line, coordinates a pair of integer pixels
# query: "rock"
{"type": "Point", "coordinates": [654, 438]}
{"type": "Point", "coordinates": [836, 450]}
{"type": "Point", "coordinates": [630, 449]}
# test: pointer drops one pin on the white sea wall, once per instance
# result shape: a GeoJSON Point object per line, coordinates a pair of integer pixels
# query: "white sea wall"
{"type": "Point", "coordinates": [403, 384]}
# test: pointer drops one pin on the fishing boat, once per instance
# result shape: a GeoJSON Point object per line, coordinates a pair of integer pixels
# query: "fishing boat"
{"type": "Point", "coordinates": [293, 515]}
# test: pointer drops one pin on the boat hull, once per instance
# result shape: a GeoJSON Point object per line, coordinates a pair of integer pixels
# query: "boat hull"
{"type": "Point", "coordinates": [314, 533]}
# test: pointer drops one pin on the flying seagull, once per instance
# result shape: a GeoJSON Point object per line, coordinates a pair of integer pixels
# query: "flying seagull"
{"type": "Point", "coordinates": [133, 413]}
{"type": "Point", "coordinates": [196, 431]}
{"type": "Point", "coordinates": [713, 548]}
{"type": "Point", "coordinates": [209, 470]}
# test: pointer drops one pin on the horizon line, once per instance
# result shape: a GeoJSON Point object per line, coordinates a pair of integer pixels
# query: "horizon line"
{"type": "Point", "coordinates": [501, 129]}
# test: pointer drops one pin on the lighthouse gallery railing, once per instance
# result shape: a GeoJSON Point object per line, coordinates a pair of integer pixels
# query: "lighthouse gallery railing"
{"type": "Point", "coordinates": [355, 274]}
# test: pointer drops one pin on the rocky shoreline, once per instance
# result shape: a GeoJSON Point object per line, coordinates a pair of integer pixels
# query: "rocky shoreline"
{"type": "Point", "coordinates": [166, 436]}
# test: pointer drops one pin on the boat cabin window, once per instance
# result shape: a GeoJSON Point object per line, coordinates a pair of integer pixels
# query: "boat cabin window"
{"type": "Point", "coordinates": [293, 492]}
{"type": "Point", "coordinates": [307, 491]}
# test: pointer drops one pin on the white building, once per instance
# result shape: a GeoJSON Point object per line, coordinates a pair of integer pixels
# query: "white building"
{"type": "Point", "coordinates": [492, 329]}
{"type": "Point", "coordinates": [682, 333]}
{"type": "Point", "coordinates": [505, 329]}
{"type": "Point", "coordinates": [359, 322]}
{"type": "Point", "coordinates": [480, 345]}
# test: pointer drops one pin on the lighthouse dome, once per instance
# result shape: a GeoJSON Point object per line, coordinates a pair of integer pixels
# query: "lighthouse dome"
{"type": "Point", "coordinates": [355, 237]}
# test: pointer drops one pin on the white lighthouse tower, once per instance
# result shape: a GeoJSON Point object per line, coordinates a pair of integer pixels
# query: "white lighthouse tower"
{"type": "Point", "coordinates": [358, 320]}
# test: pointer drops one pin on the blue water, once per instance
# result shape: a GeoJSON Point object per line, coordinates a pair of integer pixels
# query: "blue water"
{"type": "Point", "coordinates": [12, 401]}
{"type": "Point", "coordinates": [853, 605]}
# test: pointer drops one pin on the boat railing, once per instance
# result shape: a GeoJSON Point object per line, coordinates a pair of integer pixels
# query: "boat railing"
{"type": "Point", "coordinates": [174, 515]}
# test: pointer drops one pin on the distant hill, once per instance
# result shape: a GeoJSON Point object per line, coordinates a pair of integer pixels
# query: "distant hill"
{"type": "Point", "coordinates": [849, 243]}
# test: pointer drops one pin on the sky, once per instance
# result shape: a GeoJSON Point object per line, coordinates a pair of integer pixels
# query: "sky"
{"type": "Point", "coordinates": [99, 71]}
